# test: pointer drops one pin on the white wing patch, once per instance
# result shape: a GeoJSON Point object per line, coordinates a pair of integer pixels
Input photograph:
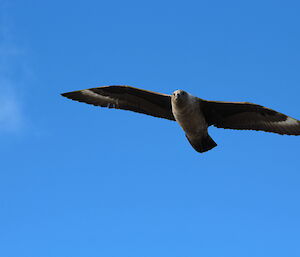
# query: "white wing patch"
{"type": "Point", "coordinates": [111, 103]}
{"type": "Point", "coordinates": [288, 122]}
{"type": "Point", "coordinates": [93, 94]}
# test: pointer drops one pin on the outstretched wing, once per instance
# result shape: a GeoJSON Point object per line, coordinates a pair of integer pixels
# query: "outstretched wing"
{"type": "Point", "coordinates": [126, 98]}
{"type": "Point", "coordinates": [248, 116]}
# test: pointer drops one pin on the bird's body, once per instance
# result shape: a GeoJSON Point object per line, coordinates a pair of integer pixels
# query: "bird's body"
{"type": "Point", "coordinates": [193, 114]}
{"type": "Point", "coordinates": [188, 114]}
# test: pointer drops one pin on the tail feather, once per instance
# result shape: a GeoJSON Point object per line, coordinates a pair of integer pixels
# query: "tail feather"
{"type": "Point", "coordinates": [202, 144]}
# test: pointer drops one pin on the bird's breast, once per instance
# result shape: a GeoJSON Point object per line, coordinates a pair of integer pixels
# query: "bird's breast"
{"type": "Point", "coordinates": [190, 117]}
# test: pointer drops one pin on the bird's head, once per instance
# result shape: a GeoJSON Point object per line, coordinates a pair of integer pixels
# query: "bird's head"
{"type": "Point", "coordinates": [180, 96]}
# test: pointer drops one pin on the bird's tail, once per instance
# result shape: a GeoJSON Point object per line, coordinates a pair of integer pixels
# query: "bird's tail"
{"type": "Point", "coordinates": [202, 144]}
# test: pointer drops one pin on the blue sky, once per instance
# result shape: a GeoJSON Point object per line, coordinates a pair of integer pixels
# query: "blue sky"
{"type": "Point", "coordinates": [77, 180]}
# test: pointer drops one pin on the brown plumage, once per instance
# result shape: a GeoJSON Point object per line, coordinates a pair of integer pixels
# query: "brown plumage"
{"type": "Point", "coordinates": [248, 116]}
{"type": "Point", "coordinates": [193, 114]}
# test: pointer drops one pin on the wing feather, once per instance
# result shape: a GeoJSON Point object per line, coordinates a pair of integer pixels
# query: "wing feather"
{"type": "Point", "coordinates": [248, 116]}
{"type": "Point", "coordinates": [126, 98]}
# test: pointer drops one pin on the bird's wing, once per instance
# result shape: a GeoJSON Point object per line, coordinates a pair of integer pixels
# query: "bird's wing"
{"type": "Point", "coordinates": [248, 116]}
{"type": "Point", "coordinates": [126, 98]}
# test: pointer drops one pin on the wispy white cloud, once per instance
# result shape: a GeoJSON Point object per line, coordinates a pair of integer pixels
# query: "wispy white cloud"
{"type": "Point", "coordinates": [11, 74]}
{"type": "Point", "coordinates": [11, 115]}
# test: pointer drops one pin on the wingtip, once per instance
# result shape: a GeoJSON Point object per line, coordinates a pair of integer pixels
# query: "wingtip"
{"type": "Point", "coordinates": [65, 94]}
{"type": "Point", "coordinates": [71, 94]}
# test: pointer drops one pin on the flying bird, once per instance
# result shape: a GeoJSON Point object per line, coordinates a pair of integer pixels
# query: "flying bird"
{"type": "Point", "coordinates": [193, 114]}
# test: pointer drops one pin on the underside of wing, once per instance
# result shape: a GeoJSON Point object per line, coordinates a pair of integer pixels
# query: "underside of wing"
{"type": "Point", "coordinates": [126, 98]}
{"type": "Point", "coordinates": [248, 116]}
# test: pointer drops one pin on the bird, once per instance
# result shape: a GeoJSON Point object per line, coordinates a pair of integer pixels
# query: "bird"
{"type": "Point", "coordinates": [192, 113]}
